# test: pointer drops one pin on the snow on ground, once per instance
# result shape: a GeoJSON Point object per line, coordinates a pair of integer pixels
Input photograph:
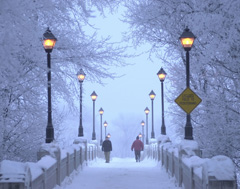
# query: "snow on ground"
{"type": "Point", "coordinates": [120, 174]}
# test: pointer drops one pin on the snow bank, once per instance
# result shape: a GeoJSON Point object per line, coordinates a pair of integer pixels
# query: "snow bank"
{"type": "Point", "coordinates": [70, 149]}
{"type": "Point", "coordinates": [14, 172]}
{"type": "Point", "coordinates": [197, 163]}
{"type": "Point", "coordinates": [8, 166]}
{"type": "Point", "coordinates": [46, 162]}
{"type": "Point", "coordinates": [163, 139]}
{"type": "Point", "coordinates": [194, 161]}
{"type": "Point", "coordinates": [167, 146]}
{"type": "Point", "coordinates": [221, 167]}
{"type": "Point", "coordinates": [95, 142]}
{"type": "Point", "coordinates": [189, 146]}
{"type": "Point", "coordinates": [80, 140]}
{"type": "Point", "coordinates": [50, 148]}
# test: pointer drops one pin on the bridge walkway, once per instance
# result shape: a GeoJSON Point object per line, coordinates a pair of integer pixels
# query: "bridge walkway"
{"type": "Point", "coordinates": [120, 174]}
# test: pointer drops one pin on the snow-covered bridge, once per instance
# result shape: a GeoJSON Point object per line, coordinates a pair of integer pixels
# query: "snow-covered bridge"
{"type": "Point", "coordinates": [164, 165]}
{"type": "Point", "coordinates": [121, 173]}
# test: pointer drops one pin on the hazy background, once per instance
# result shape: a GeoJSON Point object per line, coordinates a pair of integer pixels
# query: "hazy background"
{"type": "Point", "coordinates": [123, 99]}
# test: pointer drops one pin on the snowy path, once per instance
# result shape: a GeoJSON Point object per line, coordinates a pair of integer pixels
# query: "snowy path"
{"type": "Point", "coordinates": [121, 174]}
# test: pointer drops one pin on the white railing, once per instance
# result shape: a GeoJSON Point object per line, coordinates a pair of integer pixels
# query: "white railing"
{"type": "Point", "coordinates": [184, 163]}
{"type": "Point", "coordinates": [53, 166]}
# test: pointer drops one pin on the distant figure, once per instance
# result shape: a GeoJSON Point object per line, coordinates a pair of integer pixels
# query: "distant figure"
{"type": "Point", "coordinates": [138, 147]}
{"type": "Point", "coordinates": [107, 147]}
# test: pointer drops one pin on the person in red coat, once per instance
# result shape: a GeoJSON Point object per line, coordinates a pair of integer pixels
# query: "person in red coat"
{"type": "Point", "coordinates": [138, 147]}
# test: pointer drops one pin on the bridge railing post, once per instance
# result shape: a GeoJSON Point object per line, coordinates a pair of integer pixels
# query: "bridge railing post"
{"type": "Point", "coordinates": [83, 143]}
{"type": "Point", "coordinates": [54, 151]}
{"type": "Point", "coordinates": [162, 155]}
{"type": "Point", "coordinates": [180, 171]}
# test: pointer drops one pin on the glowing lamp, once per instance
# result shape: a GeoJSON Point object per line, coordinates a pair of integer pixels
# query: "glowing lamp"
{"type": "Point", "coordinates": [161, 75]}
{"type": "Point", "coordinates": [81, 75]}
{"type": "Point", "coordinates": [94, 96]}
{"type": "Point", "coordinates": [105, 124]}
{"type": "Point", "coordinates": [49, 41]}
{"type": "Point", "coordinates": [101, 111]}
{"type": "Point", "coordinates": [187, 38]}
{"type": "Point", "coordinates": [146, 110]}
{"type": "Point", "coordinates": [152, 95]}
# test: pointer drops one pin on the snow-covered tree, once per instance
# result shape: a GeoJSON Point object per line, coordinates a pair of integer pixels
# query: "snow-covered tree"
{"type": "Point", "coordinates": [23, 67]}
{"type": "Point", "coordinates": [214, 63]}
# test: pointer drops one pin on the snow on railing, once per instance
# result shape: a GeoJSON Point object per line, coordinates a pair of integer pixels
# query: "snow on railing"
{"type": "Point", "coordinates": [184, 162]}
{"type": "Point", "coordinates": [53, 166]}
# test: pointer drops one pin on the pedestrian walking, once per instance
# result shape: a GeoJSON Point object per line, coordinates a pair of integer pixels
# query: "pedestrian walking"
{"type": "Point", "coordinates": [137, 146]}
{"type": "Point", "coordinates": [107, 148]}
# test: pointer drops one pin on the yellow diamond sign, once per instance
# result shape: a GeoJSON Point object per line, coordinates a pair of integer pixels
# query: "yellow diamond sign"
{"type": "Point", "coordinates": [188, 100]}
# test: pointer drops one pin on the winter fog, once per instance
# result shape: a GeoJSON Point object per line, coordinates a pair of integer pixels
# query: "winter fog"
{"type": "Point", "coordinates": [120, 45]}
{"type": "Point", "coordinates": [124, 98]}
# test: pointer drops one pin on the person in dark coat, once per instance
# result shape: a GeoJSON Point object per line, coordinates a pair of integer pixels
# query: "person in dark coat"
{"type": "Point", "coordinates": [138, 147]}
{"type": "Point", "coordinates": [107, 148]}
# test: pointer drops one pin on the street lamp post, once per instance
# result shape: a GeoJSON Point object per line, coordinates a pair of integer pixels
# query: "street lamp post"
{"type": "Point", "coordinates": [161, 75]}
{"type": "Point", "coordinates": [187, 38]}
{"type": "Point", "coordinates": [101, 111]}
{"type": "Point", "coordinates": [105, 126]}
{"type": "Point", "coordinates": [152, 96]}
{"type": "Point", "coordinates": [49, 41]}
{"type": "Point", "coordinates": [143, 123]}
{"type": "Point", "coordinates": [146, 112]}
{"type": "Point", "coordinates": [94, 97]}
{"type": "Point", "coordinates": [81, 76]}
